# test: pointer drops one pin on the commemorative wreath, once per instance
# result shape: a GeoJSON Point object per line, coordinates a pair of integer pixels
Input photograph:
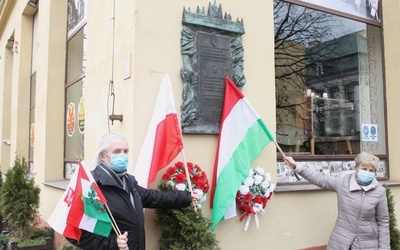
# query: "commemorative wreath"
{"type": "Point", "coordinates": [185, 228]}
{"type": "Point", "coordinates": [253, 195]}
{"type": "Point", "coordinates": [176, 177]}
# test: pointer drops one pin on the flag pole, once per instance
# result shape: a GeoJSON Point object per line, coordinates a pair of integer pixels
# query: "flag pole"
{"type": "Point", "coordinates": [114, 224]}
{"type": "Point", "coordinates": [283, 154]}
{"type": "Point", "coordinates": [188, 178]}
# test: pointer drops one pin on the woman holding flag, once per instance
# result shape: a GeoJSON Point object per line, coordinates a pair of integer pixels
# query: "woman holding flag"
{"type": "Point", "coordinates": [363, 217]}
{"type": "Point", "coordinates": [125, 198]}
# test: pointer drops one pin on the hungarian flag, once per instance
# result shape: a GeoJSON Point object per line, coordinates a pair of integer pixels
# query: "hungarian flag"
{"type": "Point", "coordinates": [163, 140]}
{"type": "Point", "coordinates": [242, 137]}
{"type": "Point", "coordinates": [81, 207]}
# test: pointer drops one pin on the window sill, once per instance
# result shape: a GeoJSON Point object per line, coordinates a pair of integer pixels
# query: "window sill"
{"type": "Point", "coordinates": [310, 187]}
{"type": "Point", "coordinates": [61, 184]}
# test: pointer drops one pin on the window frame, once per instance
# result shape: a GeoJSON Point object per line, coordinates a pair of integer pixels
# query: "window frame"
{"type": "Point", "coordinates": [338, 13]}
{"type": "Point", "coordinates": [342, 157]}
{"type": "Point", "coordinates": [70, 164]}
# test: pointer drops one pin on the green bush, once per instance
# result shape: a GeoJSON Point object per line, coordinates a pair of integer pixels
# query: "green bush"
{"type": "Point", "coordinates": [31, 242]}
{"type": "Point", "coordinates": [184, 228]}
{"type": "Point", "coordinates": [41, 233]}
{"type": "Point", "coordinates": [1, 216]}
{"type": "Point", "coordinates": [1, 178]}
{"type": "Point", "coordinates": [394, 231]}
{"type": "Point", "coordinates": [4, 239]}
{"type": "Point", "coordinates": [19, 202]}
{"type": "Point", "coordinates": [67, 246]}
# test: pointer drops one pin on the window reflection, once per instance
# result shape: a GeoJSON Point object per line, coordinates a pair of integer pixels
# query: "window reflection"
{"type": "Point", "coordinates": [327, 74]}
{"type": "Point", "coordinates": [76, 56]}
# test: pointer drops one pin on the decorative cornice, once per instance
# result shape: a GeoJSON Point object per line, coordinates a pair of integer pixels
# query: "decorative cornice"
{"type": "Point", "coordinates": [213, 19]}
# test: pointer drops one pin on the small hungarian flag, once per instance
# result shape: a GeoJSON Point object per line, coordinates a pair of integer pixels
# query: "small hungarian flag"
{"type": "Point", "coordinates": [81, 207]}
{"type": "Point", "coordinates": [242, 137]}
{"type": "Point", "coordinates": [163, 140]}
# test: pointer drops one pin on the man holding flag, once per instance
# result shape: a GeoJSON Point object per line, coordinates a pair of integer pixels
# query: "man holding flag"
{"type": "Point", "coordinates": [124, 199]}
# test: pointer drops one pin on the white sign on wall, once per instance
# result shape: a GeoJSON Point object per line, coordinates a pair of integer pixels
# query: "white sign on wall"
{"type": "Point", "coordinates": [369, 132]}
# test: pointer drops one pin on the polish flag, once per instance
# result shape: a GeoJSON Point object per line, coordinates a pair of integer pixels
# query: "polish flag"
{"type": "Point", "coordinates": [163, 140]}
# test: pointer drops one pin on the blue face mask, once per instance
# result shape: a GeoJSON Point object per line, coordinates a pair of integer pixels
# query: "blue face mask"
{"type": "Point", "coordinates": [365, 177]}
{"type": "Point", "coordinates": [119, 162]}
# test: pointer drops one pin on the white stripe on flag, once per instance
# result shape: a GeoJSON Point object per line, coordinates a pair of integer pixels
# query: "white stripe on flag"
{"type": "Point", "coordinates": [87, 223]}
{"type": "Point", "coordinates": [164, 105]}
{"type": "Point", "coordinates": [234, 132]}
{"type": "Point", "coordinates": [58, 219]}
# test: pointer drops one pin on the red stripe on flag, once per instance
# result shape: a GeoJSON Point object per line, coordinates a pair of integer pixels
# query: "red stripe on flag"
{"type": "Point", "coordinates": [232, 96]}
{"type": "Point", "coordinates": [167, 144]}
{"type": "Point", "coordinates": [72, 232]}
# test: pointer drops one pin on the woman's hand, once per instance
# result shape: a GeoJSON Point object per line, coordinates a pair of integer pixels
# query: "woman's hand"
{"type": "Point", "coordinates": [290, 162]}
{"type": "Point", "coordinates": [122, 241]}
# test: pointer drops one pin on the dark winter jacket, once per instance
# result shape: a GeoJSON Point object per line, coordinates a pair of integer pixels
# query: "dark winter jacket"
{"type": "Point", "coordinates": [128, 215]}
{"type": "Point", "coordinates": [363, 217]}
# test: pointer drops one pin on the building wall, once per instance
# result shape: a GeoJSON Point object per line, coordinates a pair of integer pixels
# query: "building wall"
{"type": "Point", "coordinates": [150, 32]}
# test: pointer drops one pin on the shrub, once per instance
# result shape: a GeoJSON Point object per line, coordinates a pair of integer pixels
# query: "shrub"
{"type": "Point", "coordinates": [31, 242]}
{"type": "Point", "coordinates": [43, 232]}
{"type": "Point", "coordinates": [19, 202]}
{"type": "Point", "coordinates": [4, 239]}
{"type": "Point", "coordinates": [1, 216]}
{"type": "Point", "coordinates": [67, 246]}
{"type": "Point", "coordinates": [394, 231]}
{"type": "Point", "coordinates": [184, 228]}
{"type": "Point", "coordinates": [1, 178]}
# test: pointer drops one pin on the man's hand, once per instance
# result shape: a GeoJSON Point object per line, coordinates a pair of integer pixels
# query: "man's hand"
{"type": "Point", "coordinates": [122, 241]}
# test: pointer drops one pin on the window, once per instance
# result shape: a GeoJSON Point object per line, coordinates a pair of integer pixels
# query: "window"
{"type": "Point", "coordinates": [329, 87]}
{"type": "Point", "coordinates": [33, 91]}
{"type": "Point", "coordinates": [75, 86]}
{"type": "Point", "coordinates": [319, 69]}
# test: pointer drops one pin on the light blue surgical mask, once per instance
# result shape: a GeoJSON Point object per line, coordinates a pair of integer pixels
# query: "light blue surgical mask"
{"type": "Point", "coordinates": [365, 177]}
{"type": "Point", "coordinates": [119, 162]}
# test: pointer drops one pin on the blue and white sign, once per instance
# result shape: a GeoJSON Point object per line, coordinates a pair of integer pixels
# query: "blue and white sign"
{"type": "Point", "coordinates": [369, 132]}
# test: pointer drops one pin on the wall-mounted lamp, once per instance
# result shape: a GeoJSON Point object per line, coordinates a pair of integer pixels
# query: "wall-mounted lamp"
{"type": "Point", "coordinates": [7, 142]}
{"type": "Point", "coordinates": [33, 3]}
{"type": "Point", "coordinates": [113, 117]}
{"type": "Point", "coordinates": [15, 47]}
{"type": "Point", "coordinates": [116, 118]}
{"type": "Point", "coordinates": [10, 43]}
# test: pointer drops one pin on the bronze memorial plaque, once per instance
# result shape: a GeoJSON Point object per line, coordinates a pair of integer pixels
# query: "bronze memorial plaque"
{"type": "Point", "coordinates": [212, 49]}
{"type": "Point", "coordinates": [215, 64]}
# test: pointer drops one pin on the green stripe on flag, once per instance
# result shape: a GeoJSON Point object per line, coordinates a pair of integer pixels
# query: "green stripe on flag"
{"type": "Point", "coordinates": [95, 209]}
{"type": "Point", "coordinates": [238, 168]}
{"type": "Point", "coordinates": [266, 130]}
{"type": "Point", "coordinates": [102, 228]}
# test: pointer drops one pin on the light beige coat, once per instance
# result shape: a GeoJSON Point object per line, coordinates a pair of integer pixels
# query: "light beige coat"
{"type": "Point", "coordinates": [363, 217]}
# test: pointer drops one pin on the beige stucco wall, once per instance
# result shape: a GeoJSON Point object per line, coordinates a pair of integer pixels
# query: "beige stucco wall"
{"type": "Point", "coordinates": [392, 55]}
{"type": "Point", "coordinates": [391, 32]}
{"type": "Point", "coordinates": [150, 32]}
